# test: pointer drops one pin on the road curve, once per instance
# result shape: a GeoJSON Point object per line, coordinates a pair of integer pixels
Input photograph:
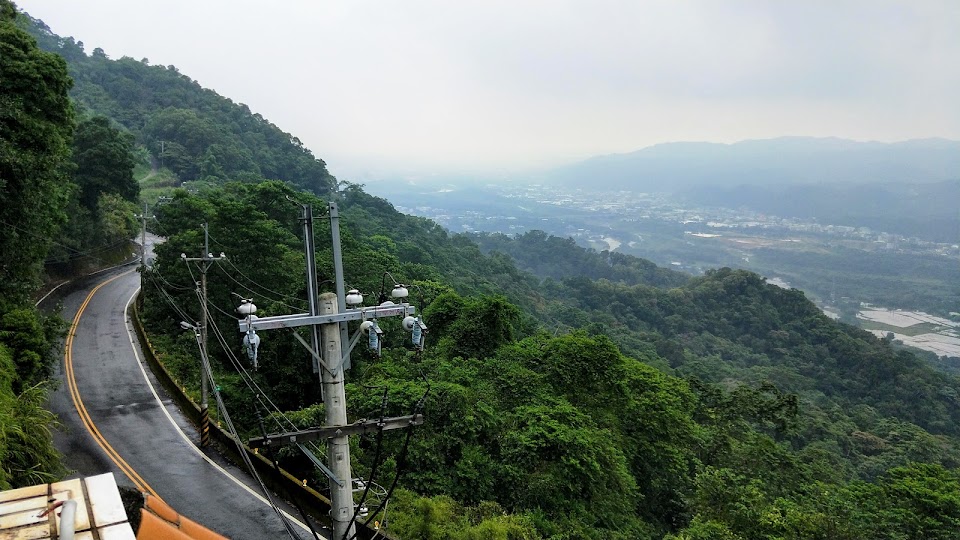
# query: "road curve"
{"type": "Point", "coordinates": [118, 418]}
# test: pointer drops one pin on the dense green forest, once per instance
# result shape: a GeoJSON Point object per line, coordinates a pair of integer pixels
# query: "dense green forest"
{"type": "Point", "coordinates": [929, 282]}
{"type": "Point", "coordinates": [568, 394]}
{"type": "Point", "coordinates": [68, 198]}
{"type": "Point", "coordinates": [587, 406]}
{"type": "Point", "coordinates": [193, 131]}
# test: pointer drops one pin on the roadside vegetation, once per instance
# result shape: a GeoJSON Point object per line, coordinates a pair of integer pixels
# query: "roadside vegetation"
{"type": "Point", "coordinates": [67, 197]}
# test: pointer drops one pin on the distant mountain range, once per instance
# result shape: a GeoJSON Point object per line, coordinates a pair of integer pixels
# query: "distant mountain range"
{"type": "Point", "coordinates": [769, 162]}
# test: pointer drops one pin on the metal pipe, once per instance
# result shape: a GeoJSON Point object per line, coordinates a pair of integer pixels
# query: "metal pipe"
{"type": "Point", "coordinates": [68, 519]}
{"type": "Point", "coordinates": [338, 276]}
{"type": "Point", "coordinates": [309, 248]}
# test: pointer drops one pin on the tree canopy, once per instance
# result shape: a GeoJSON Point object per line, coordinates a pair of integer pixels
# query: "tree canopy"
{"type": "Point", "coordinates": [724, 407]}
{"type": "Point", "coordinates": [197, 133]}
{"type": "Point", "coordinates": [36, 129]}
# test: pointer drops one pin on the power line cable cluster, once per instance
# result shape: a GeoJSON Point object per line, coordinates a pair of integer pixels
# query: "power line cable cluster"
{"type": "Point", "coordinates": [74, 252]}
{"type": "Point", "coordinates": [401, 465]}
{"type": "Point", "coordinates": [259, 397]}
{"type": "Point", "coordinates": [246, 458]}
{"type": "Point", "coordinates": [225, 413]}
{"type": "Point", "coordinates": [269, 405]}
{"type": "Point", "coordinates": [262, 288]}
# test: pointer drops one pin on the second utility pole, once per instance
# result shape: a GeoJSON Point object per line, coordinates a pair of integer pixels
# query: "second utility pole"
{"type": "Point", "coordinates": [327, 340]}
{"type": "Point", "coordinates": [205, 262]}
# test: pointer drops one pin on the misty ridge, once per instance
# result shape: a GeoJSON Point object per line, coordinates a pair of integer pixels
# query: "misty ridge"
{"type": "Point", "coordinates": [767, 162]}
{"type": "Point", "coordinates": [910, 187]}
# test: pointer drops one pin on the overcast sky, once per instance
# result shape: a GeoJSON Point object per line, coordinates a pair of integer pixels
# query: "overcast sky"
{"type": "Point", "coordinates": [442, 86]}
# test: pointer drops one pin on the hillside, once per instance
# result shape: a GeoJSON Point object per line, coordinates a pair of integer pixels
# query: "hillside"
{"type": "Point", "coordinates": [701, 406]}
{"type": "Point", "coordinates": [569, 394]}
{"type": "Point", "coordinates": [195, 132]}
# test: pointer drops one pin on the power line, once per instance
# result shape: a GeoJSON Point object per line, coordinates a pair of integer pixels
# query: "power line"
{"type": "Point", "coordinates": [248, 289]}
{"type": "Point", "coordinates": [221, 310]}
{"type": "Point", "coordinates": [248, 278]}
{"type": "Point", "coordinates": [155, 272]}
{"type": "Point", "coordinates": [169, 299]}
{"type": "Point", "coordinates": [251, 280]}
{"type": "Point", "coordinates": [251, 383]}
{"type": "Point", "coordinates": [86, 253]}
{"type": "Point", "coordinates": [253, 471]}
{"type": "Point", "coordinates": [47, 239]}
{"type": "Point", "coordinates": [75, 253]}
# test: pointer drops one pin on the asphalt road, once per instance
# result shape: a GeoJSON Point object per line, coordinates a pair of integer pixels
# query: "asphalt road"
{"type": "Point", "coordinates": [118, 418]}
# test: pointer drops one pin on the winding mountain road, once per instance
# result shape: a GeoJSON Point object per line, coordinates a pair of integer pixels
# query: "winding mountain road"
{"type": "Point", "coordinates": [118, 418]}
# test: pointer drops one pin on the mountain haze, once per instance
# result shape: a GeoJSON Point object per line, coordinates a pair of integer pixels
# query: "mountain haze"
{"type": "Point", "coordinates": [784, 160]}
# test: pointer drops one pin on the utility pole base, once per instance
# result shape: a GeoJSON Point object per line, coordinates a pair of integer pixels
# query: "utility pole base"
{"type": "Point", "coordinates": [204, 428]}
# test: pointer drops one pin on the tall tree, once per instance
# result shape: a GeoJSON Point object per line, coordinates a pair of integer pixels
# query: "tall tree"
{"type": "Point", "coordinates": [102, 154]}
{"type": "Point", "coordinates": [36, 125]}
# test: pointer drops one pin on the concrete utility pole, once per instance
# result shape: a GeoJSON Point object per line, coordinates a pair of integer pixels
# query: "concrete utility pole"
{"type": "Point", "coordinates": [143, 245]}
{"type": "Point", "coordinates": [143, 238]}
{"type": "Point", "coordinates": [328, 320]}
{"type": "Point", "coordinates": [335, 405]}
{"type": "Point", "coordinates": [204, 264]}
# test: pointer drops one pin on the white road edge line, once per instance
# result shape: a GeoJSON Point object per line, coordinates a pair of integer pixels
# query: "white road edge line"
{"type": "Point", "coordinates": [37, 304]}
{"type": "Point", "coordinates": [183, 435]}
{"type": "Point", "coordinates": [51, 292]}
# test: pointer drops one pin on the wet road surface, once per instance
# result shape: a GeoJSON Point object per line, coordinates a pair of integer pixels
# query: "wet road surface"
{"type": "Point", "coordinates": [108, 393]}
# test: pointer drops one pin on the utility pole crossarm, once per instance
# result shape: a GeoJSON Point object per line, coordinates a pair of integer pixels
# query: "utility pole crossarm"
{"type": "Point", "coordinates": [329, 432]}
{"type": "Point", "coordinates": [305, 319]}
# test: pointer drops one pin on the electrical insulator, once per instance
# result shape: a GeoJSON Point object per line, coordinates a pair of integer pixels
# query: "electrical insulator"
{"type": "Point", "coordinates": [399, 292]}
{"type": "Point", "coordinates": [247, 307]}
{"type": "Point", "coordinates": [354, 297]}
{"type": "Point", "coordinates": [419, 331]}
{"type": "Point", "coordinates": [251, 343]}
{"type": "Point", "coordinates": [373, 338]}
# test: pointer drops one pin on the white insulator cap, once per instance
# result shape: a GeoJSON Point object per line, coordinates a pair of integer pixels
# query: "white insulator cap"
{"type": "Point", "coordinates": [247, 308]}
{"type": "Point", "coordinates": [399, 291]}
{"type": "Point", "coordinates": [408, 323]}
{"type": "Point", "coordinates": [365, 326]}
{"type": "Point", "coordinates": [354, 297]}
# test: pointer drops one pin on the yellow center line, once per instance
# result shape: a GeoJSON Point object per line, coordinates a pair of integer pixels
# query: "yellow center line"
{"type": "Point", "coordinates": [78, 402]}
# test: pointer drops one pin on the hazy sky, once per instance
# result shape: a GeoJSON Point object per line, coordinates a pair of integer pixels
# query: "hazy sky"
{"type": "Point", "coordinates": [412, 85]}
